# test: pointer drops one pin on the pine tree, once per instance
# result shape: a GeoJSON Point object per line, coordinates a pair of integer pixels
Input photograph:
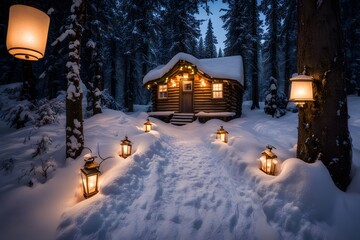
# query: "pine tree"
{"type": "Point", "coordinates": [201, 49]}
{"type": "Point", "coordinates": [288, 37]}
{"type": "Point", "coordinates": [242, 38]}
{"type": "Point", "coordinates": [180, 27]}
{"type": "Point", "coordinates": [52, 78]}
{"type": "Point", "coordinates": [275, 102]}
{"type": "Point", "coordinates": [140, 36]}
{"type": "Point", "coordinates": [350, 19]}
{"type": "Point", "coordinates": [272, 20]}
{"type": "Point", "coordinates": [235, 23]}
{"type": "Point", "coordinates": [210, 41]}
{"type": "Point", "coordinates": [220, 53]}
{"type": "Point", "coordinates": [323, 124]}
{"type": "Point", "coordinates": [254, 52]}
{"type": "Point", "coordinates": [74, 117]}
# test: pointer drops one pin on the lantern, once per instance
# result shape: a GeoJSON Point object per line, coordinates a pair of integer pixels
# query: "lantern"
{"type": "Point", "coordinates": [90, 175]}
{"type": "Point", "coordinates": [27, 32]}
{"type": "Point", "coordinates": [125, 148]}
{"type": "Point", "coordinates": [147, 125]}
{"type": "Point", "coordinates": [301, 89]}
{"type": "Point", "coordinates": [268, 161]}
{"type": "Point", "coordinates": [222, 134]}
{"type": "Point", "coordinates": [185, 75]}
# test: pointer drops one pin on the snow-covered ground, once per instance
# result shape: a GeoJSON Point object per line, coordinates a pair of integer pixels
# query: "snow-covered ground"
{"type": "Point", "coordinates": [180, 183]}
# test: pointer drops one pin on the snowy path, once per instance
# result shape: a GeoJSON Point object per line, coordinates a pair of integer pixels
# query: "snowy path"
{"type": "Point", "coordinates": [180, 190]}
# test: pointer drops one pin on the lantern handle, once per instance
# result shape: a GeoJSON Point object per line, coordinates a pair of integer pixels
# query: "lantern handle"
{"type": "Point", "coordinates": [270, 147]}
{"type": "Point", "coordinates": [88, 149]}
{"type": "Point", "coordinates": [103, 159]}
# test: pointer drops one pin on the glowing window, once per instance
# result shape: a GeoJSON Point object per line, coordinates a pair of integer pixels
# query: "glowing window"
{"type": "Point", "coordinates": [187, 86]}
{"type": "Point", "coordinates": [217, 90]}
{"type": "Point", "coordinates": [162, 91]}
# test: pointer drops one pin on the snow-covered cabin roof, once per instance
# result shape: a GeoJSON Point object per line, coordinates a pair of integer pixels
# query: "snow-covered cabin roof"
{"type": "Point", "coordinates": [223, 67]}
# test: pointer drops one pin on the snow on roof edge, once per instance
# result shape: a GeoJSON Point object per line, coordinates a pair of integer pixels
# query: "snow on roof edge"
{"type": "Point", "coordinates": [231, 67]}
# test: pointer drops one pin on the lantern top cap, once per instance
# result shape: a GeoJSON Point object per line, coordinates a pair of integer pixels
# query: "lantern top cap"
{"type": "Point", "coordinates": [126, 141]}
{"type": "Point", "coordinates": [269, 153]}
{"type": "Point", "coordinates": [148, 122]}
{"type": "Point", "coordinates": [302, 77]}
{"type": "Point", "coordinates": [222, 130]}
{"type": "Point", "coordinates": [90, 164]}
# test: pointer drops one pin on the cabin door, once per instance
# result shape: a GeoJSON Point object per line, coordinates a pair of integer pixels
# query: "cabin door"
{"type": "Point", "coordinates": [186, 92]}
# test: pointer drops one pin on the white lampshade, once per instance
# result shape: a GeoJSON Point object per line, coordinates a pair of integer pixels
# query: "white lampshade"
{"type": "Point", "coordinates": [301, 89]}
{"type": "Point", "coordinates": [27, 32]}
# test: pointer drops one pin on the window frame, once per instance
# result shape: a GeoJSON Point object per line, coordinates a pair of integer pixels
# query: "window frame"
{"type": "Point", "coordinates": [185, 82]}
{"type": "Point", "coordinates": [213, 92]}
{"type": "Point", "coordinates": [162, 91]}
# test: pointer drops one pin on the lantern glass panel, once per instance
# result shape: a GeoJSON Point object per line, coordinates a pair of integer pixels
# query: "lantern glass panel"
{"type": "Point", "coordinates": [268, 165]}
{"type": "Point", "coordinates": [27, 32]}
{"type": "Point", "coordinates": [223, 137]}
{"type": "Point", "coordinates": [301, 91]}
{"type": "Point", "coordinates": [147, 128]}
{"type": "Point", "coordinates": [126, 149]}
{"type": "Point", "coordinates": [90, 181]}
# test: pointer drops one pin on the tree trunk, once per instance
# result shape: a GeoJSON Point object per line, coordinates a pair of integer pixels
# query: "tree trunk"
{"type": "Point", "coordinates": [74, 117]}
{"type": "Point", "coordinates": [28, 88]}
{"type": "Point", "coordinates": [98, 80]}
{"type": "Point", "coordinates": [113, 69]}
{"type": "Point", "coordinates": [323, 124]}
{"type": "Point", "coordinates": [274, 40]}
{"type": "Point", "coordinates": [287, 64]}
{"type": "Point", "coordinates": [255, 67]}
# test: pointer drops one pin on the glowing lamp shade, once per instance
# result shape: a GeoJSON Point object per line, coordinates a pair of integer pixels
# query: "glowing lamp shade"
{"type": "Point", "coordinates": [27, 32]}
{"type": "Point", "coordinates": [147, 126]}
{"type": "Point", "coordinates": [125, 148]}
{"type": "Point", "coordinates": [90, 176]}
{"type": "Point", "coordinates": [268, 161]}
{"type": "Point", "coordinates": [301, 89]}
{"type": "Point", "coordinates": [222, 134]}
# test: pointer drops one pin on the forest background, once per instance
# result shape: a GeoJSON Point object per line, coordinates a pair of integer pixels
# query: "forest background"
{"type": "Point", "coordinates": [123, 40]}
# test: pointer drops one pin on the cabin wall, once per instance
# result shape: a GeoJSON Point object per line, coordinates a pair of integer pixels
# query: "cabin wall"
{"type": "Point", "coordinates": [171, 103]}
{"type": "Point", "coordinates": [235, 98]}
{"type": "Point", "coordinates": [203, 100]}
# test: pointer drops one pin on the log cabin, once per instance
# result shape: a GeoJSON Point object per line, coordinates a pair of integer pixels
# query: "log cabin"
{"type": "Point", "coordinates": [187, 88]}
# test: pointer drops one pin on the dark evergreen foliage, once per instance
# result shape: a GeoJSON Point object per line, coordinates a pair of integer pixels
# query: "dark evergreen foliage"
{"type": "Point", "coordinates": [288, 38]}
{"type": "Point", "coordinates": [275, 101]}
{"type": "Point", "coordinates": [180, 28]}
{"type": "Point", "coordinates": [241, 20]}
{"type": "Point", "coordinates": [350, 18]}
{"type": "Point", "coordinates": [220, 53]}
{"type": "Point", "coordinates": [270, 8]}
{"type": "Point", "coordinates": [201, 48]}
{"type": "Point", "coordinates": [210, 41]}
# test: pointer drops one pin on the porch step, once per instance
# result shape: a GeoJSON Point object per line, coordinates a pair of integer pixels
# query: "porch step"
{"type": "Point", "coordinates": [182, 118]}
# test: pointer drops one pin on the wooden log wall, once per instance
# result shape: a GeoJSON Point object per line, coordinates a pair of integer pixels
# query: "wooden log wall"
{"type": "Point", "coordinates": [203, 100]}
